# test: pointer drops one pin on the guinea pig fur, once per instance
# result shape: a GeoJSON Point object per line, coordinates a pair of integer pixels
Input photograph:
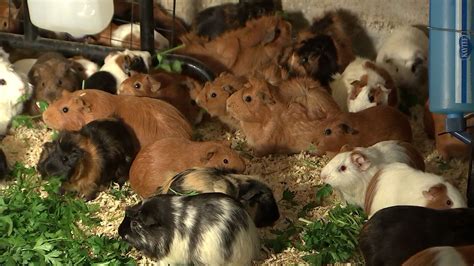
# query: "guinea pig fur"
{"type": "Point", "coordinates": [399, 184]}
{"type": "Point", "coordinates": [128, 35]}
{"type": "Point", "coordinates": [150, 119]}
{"type": "Point", "coordinates": [101, 152]}
{"type": "Point", "coordinates": [9, 17]}
{"type": "Point", "coordinates": [440, 256]}
{"type": "Point", "coordinates": [395, 234]}
{"type": "Point", "coordinates": [256, 197]}
{"type": "Point", "coordinates": [362, 129]}
{"type": "Point", "coordinates": [167, 157]}
{"type": "Point", "coordinates": [166, 86]}
{"type": "Point", "coordinates": [13, 86]}
{"type": "Point", "coordinates": [3, 165]}
{"type": "Point", "coordinates": [404, 54]}
{"type": "Point", "coordinates": [85, 67]}
{"type": "Point", "coordinates": [205, 229]}
{"type": "Point", "coordinates": [351, 171]}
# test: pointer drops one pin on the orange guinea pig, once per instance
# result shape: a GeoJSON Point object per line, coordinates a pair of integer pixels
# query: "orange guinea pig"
{"type": "Point", "coordinates": [164, 86]}
{"type": "Point", "coordinates": [164, 158]}
{"type": "Point", "coordinates": [362, 129]}
{"type": "Point", "coordinates": [150, 119]}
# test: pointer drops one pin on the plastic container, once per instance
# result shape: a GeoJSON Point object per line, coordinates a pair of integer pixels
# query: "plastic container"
{"type": "Point", "coordinates": [76, 17]}
{"type": "Point", "coordinates": [450, 62]}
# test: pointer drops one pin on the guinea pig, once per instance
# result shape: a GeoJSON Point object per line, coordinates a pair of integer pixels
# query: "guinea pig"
{"type": "Point", "coordinates": [101, 152]}
{"type": "Point", "coordinates": [150, 119]}
{"type": "Point", "coordinates": [256, 197]}
{"type": "Point", "coordinates": [9, 17]}
{"type": "Point", "coordinates": [404, 54]}
{"type": "Point", "coordinates": [50, 76]}
{"type": "Point", "coordinates": [399, 184]}
{"type": "Point", "coordinates": [164, 158]}
{"type": "Point", "coordinates": [213, 96]}
{"type": "Point", "coordinates": [166, 86]}
{"type": "Point", "coordinates": [323, 50]}
{"type": "Point", "coordinates": [128, 35]}
{"type": "Point", "coordinates": [396, 233]}
{"type": "Point", "coordinates": [85, 67]}
{"type": "Point", "coordinates": [440, 256]}
{"type": "Point", "coordinates": [13, 86]}
{"type": "Point", "coordinates": [207, 229]}
{"type": "Point", "coordinates": [351, 170]}
{"type": "Point", "coordinates": [3, 165]}
{"type": "Point", "coordinates": [362, 129]}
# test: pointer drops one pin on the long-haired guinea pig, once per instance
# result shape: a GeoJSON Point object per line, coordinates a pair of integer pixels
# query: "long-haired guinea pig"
{"type": "Point", "coordinates": [441, 256]}
{"type": "Point", "coordinates": [50, 76]}
{"type": "Point", "coordinates": [101, 152]}
{"type": "Point", "coordinates": [323, 50]}
{"type": "Point", "coordinates": [150, 119]}
{"type": "Point", "coordinates": [3, 165]}
{"type": "Point", "coordinates": [256, 197]}
{"type": "Point", "coordinates": [362, 129]}
{"type": "Point", "coordinates": [166, 86]}
{"type": "Point", "coordinates": [85, 67]}
{"type": "Point", "coordinates": [242, 51]}
{"type": "Point", "coordinates": [404, 54]}
{"type": "Point", "coordinates": [395, 234]}
{"type": "Point", "coordinates": [167, 157]}
{"type": "Point", "coordinates": [207, 229]}
{"type": "Point", "coordinates": [363, 84]}
{"type": "Point", "coordinates": [213, 96]}
{"type": "Point", "coordinates": [9, 17]}
{"type": "Point", "coordinates": [13, 86]}
{"type": "Point", "coordinates": [351, 170]}
{"type": "Point", "coordinates": [399, 184]}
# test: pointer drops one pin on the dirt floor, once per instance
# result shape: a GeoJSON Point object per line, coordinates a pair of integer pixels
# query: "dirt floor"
{"type": "Point", "coordinates": [298, 173]}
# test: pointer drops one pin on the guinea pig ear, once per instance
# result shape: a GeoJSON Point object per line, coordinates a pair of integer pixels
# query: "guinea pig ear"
{"type": "Point", "coordinates": [346, 148]}
{"type": "Point", "coordinates": [271, 35]}
{"type": "Point", "coordinates": [229, 89]}
{"type": "Point", "coordinates": [346, 129]}
{"type": "Point", "coordinates": [266, 99]}
{"type": "Point", "coordinates": [208, 156]}
{"type": "Point", "coordinates": [83, 103]}
{"type": "Point", "coordinates": [360, 160]}
{"type": "Point", "coordinates": [434, 192]}
{"type": "Point", "coordinates": [155, 84]}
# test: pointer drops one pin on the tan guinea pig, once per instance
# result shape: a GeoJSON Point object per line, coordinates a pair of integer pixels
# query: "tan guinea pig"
{"type": "Point", "coordinates": [150, 119]}
{"type": "Point", "coordinates": [362, 129]}
{"type": "Point", "coordinates": [167, 157]}
{"type": "Point", "coordinates": [164, 86]}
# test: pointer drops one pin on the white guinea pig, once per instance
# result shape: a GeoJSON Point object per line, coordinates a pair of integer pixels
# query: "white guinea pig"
{"type": "Point", "coordinates": [205, 229]}
{"type": "Point", "coordinates": [399, 184]}
{"type": "Point", "coordinates": [351, 171]}
{"type": "Point", "coordinates": [404, 54]}
{"type": "Point", "coordinates": [12, 87]}
{"type": "Point", "coordinates": [128, 35]}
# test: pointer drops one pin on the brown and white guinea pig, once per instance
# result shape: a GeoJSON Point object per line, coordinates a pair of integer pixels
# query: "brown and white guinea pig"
{"type": "Point", "coordinates": [363, 84]}
{"type": "Point", "coordinates": [399, 184]}
{"type": "Point", "coordinates": [101, 152]}
{"type": "Point", "coordinates": [117, 67]}
{"type": "Point", "coordinates": [85, 66]}
{"type": "Point", "coordinates": [128, 35]}
{"type": "Point", "coordinates": [396, 233]}
{"type": "Point", "coordinates": [351, 170]}
{"type": "Point", "coordinates": [256, 197]}
{"type": "Point", "coordinates": [150, 119]}
{"type": "Point", "coordinates": [3, 165]}
{"type": "Point", "coordinates": [207, 229]}
{"type": "Point", "coordinates": [362, 129]}
{"type": "Point", "coordinates": [404, 54]}
{"type": "Point", "coordinates": [443, 256]}
{"type": "Point", "coordinates": [213, 96]}
{"type": "Point", "coordinates": [50, 76]}
{"type": "Point", "coordinates": [167, 157]}
{"type": "Point", "coordinates": [242, 51]}
{"type": "Point", "coordinates": [166, 86]}
{"type": "Point", "coordinates": [9, 17]}
{"type": "Point", "coordinates": [323, 50]}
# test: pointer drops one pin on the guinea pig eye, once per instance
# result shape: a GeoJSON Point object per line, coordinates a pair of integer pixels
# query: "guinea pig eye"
{"type": "Point", "coordinates": [65, 109]}
{"type": "Point", "coordinates": [137, 85]}
{"type": "Point", "coordinates": [42, 84]}
{"type": "Point", "coordinates": [3, 82]}
{"type": "Point", "coordinates": [327, 132]}
{"type": "Point", "coordinates": [213, 95]}
{"type": "Point", "coordinates": [60, 82]}
{"type": "Point", "coordinates": [304, 60]}
{"type": "Point", "coordinates": [449, 203]}
{"type": "Point", "coordinates": [342, 168]}
{"type": "Point", "coordinates": [248, 99]}
{"type": "Point", "coordinates": [371, 98]}
{"type": "Point", "coordinates": [65, 159]}
{"type": "Point", "coordinates": [134, 224]}
{"type": "Point", "coordinates": [226, 161]}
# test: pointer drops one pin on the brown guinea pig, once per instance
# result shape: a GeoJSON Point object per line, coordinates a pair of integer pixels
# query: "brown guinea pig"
{"type": "Point", "coordinates": [164, 86]}
{"type": "Point", "coordinates": [166, 157]}
{"type": "Point", "coordinates": [213, 96]}
{"type": "Point", "coordinates": [362, 129]}
{"type": "Point", "coordinates": [150, 119]}
{"type": "Point", "coordinates": [443, 255]}
{"type": "Point", "coordinates": [9, 17]}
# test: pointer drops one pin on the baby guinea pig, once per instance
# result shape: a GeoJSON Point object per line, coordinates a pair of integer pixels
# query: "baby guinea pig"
{"type": "Point", "coordinates": [440, 256]}
{"type": "Point", "coordinates": [167, 157]}
{"type": "Point", "coordinates": [205, 229]}
{"type": "Point", "coordinates": [101, 152]}
{"type": "Point", "coordinates": [399, 184]}
{"type": "Point", "coordinates": [3, 165]}
{"type": "Point", "coordinates": [351, 170]}
{"type": "Point", "coordinates": [362, 129]}
{"type": "Point", "coordinates": [167, 87]}
{"type": "Point", "coordinates": [412, 229]}
{"type": "Point", "coordinates": [256, 197]}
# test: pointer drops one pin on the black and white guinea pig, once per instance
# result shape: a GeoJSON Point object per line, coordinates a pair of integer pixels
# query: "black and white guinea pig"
{"type": "Point", "coordinates": [3, 165]}
{"type": "Point", "coordinates": [396, 233]}
{"type": "Point", "coordinates": [255, 195]}
{"type": "Point", "coordinates": [204, 229]}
